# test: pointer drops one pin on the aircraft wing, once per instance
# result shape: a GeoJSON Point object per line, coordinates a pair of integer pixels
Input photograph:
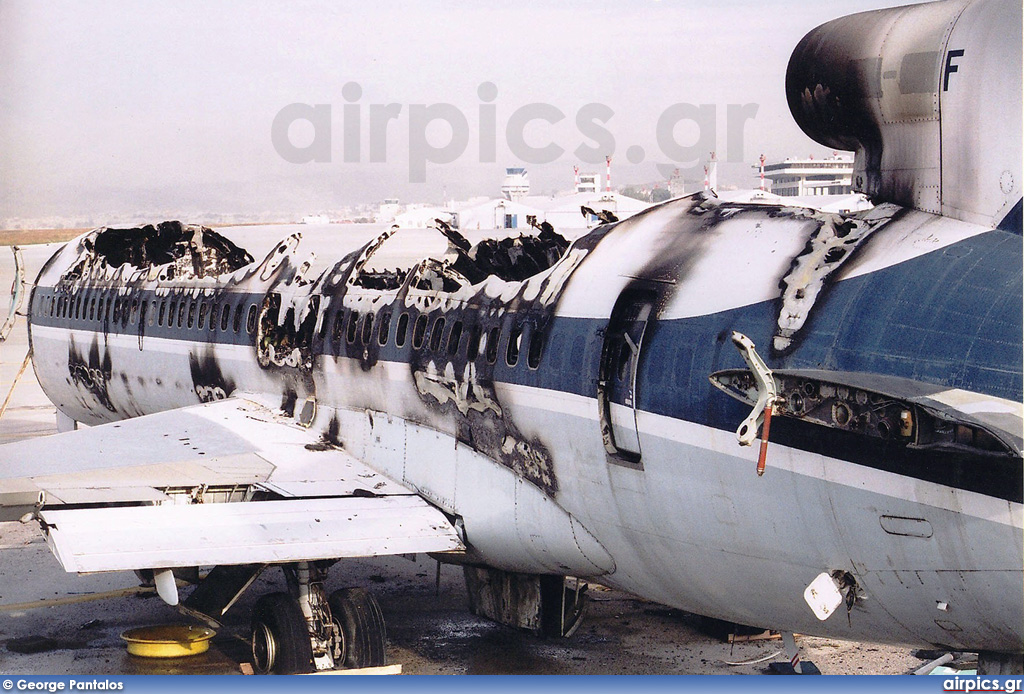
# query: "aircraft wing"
{"type": "Point", "coordinates": [229, 482]}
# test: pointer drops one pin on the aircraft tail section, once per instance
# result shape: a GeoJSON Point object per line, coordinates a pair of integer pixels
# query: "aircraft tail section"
{"type": "Point", "coordinates": [928, 96]}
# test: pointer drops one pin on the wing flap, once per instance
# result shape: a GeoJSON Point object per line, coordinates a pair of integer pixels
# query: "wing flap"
{"type": "Point", "coordinates": [177, 535]}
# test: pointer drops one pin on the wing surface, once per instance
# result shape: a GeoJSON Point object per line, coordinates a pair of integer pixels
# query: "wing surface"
{"type": "Point", "coordinates": [230, 482]}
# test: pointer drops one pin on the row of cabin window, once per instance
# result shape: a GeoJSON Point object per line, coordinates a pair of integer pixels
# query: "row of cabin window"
{"type": "Point", "coordinates": [182, 313]}
{"type": "Point", "coordinates": [347, 324]}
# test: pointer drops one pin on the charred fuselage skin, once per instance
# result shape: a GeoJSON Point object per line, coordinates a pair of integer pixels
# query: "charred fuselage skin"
{"type": "Point", "coordinates": [505, 400]}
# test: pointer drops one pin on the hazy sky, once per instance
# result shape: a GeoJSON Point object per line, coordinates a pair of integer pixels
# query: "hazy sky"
{"type": "Point", "coordinates": [128, 107]}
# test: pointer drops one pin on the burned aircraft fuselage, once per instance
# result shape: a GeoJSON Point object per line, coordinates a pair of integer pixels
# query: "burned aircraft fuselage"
{"type": "Point", "coordinates": [556, 396]}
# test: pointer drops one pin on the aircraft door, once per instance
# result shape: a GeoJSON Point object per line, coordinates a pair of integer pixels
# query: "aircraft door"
{"type": "Point", "coordinates": [617, 381]}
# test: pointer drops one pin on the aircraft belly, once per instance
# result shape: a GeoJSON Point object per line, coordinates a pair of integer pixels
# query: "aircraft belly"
{"type": "Point", "coordinates": [696, 528]}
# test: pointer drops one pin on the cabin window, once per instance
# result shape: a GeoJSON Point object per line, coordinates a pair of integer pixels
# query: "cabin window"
{"type": "Point", "coordinates": [339, 325]}
{"type": "Point", "coordinates": [325, 323]}
{"type": "Point", "coordinates": [191, 314]}
{"type": "Point", "coordinates": [161, 312]}
{"type": "Point", "coordinates": [152, 313]}
{"type": "Point", "coordinates": [536, 348]}
{"type": "Point", "coordinates": [473, 348]}
{"type": "Point", "coordinates": [383, 327]}
{"type": "Point", "coordinates": [250, 320]}
{"type": "Point", "coordinates": [135, 310]}
{"type": "Point", "coordinates": [125, 306]}
{"type": "Point", "coordinates": [419, 331]}
{"type": "Point", "coordinates": [225, 316]}
{"type": "Point", "coordinates": [203, 309]}
{"type": "Point", "coordinates": [181, 313]}
{"type": "Point", "coordinates": [437, 334]}
{"type": "Point", "coordinates": [512, 349]}
{"type": "Point", "coordinates": [403, 328]}
{"type": "Point", "coordinates": [368, 329]}
{"type": "Point", "coordinates": [92, 308]}
{"type": "Point", "coordinates": [455, 338]}
{"type": "Point", "coordinates": [236, 324]}
{"type": "Point", "coordinates": [352, 327]}
{"type": "Point", "coordinates": [117, 311]}
{"type": "Point", "coordinates": [492, 344]}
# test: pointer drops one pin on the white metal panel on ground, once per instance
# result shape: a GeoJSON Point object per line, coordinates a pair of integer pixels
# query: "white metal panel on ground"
{"type": "Point", "coordinates": [156, 537]}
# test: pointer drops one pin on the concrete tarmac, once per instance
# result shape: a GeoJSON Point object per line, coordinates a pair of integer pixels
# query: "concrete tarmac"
{"type": "Point", "coordinates": [430, 629]}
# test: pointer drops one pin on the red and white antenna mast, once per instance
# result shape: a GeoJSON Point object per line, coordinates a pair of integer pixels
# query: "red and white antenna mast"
{"type": "Point", "coordinates": [608, 175]}
{"type": "Point", "coordinates": [707, 183]}
{"type": "Point", "coordinates": [762, 172]}
{"type": "Point", "coordinates": [575, 178]}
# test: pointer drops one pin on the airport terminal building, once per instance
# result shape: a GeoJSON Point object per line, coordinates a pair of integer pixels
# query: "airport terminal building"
{"type": "Point", "coordinates": [800, 177]}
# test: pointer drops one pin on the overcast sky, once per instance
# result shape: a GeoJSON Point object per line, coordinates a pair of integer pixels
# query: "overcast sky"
{"type": "Point", "coordinates": [125, 107]}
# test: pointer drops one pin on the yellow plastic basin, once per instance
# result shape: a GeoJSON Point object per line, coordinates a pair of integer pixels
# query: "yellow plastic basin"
{"type": "Point", "coordinates": [168, 640]}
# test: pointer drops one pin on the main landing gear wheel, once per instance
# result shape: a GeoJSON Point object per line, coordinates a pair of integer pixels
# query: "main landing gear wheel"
{"type": "Point", "coordinates": [280, 636]}
{"type": "Point", "coordinates": [361, 623]}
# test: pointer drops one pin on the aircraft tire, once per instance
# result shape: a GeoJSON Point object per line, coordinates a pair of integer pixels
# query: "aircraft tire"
{"type": "Point", "coordinates": [280, 637]}
{"type": "Point", "coordinates": [361, 621]}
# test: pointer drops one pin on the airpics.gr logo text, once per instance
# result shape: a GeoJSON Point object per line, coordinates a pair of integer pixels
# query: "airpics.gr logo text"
{"type": "Point", "coordinates": [674, 132]}
{"type": "Point", "coordinates": [981, 684]}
